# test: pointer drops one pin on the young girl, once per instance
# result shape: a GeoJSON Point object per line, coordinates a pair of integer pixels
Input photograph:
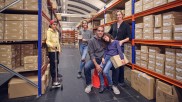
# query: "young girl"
{"type": "Point", "coordinates": [113, 48]}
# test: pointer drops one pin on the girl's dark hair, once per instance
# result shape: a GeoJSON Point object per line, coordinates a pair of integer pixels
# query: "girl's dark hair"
{"type": "Point", "coordinates": [108, 35]}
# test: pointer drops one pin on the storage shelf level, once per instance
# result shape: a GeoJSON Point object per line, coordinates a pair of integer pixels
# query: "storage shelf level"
{"type": "Point", "coordinates": [177, 43]}
{"type": "Point", "coordinates": [167, 6]}
{"type": "Point", "coordinates": [159, 76]}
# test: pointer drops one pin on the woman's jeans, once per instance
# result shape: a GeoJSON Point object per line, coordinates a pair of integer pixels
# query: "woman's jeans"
{"type": "Point", "coordinates": [105, 71]}
{"type": "Point", "coordinates": [83, 52]}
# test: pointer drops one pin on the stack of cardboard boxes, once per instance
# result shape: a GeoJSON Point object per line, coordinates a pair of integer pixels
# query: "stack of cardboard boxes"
{"type": "Point", "coordinates": [108, 18]}
{"type": "Point", "coordinates": [139, 31]}
{"type": "Point", "coordinates": [128, 8]}
{"type": "Point", "coordinates": [159, 2]}
{"type": "Point", "coordinates": [179, 64]}
{"type": "Point", "coordinates": [26, 50]}
{"type": "Point", "coordinates": [160, 63]}
{"type": "Point", "coordinates": [144, 56]}
{"type": "Point", "coordinates": [158, 27]}
{"type": "Point", "coordinates": [170, 66]}
{"type": "Point", "coordinates": [138, 58]}
{"type": "Point", "coordinates": [30, 62]}
{"type": "Point", "coordinates": [152, 57]}
{"type": "Point", "coordinates": [7, 56]}
{"type": "Point", "coordinates": [170, 19]}
{"type": "Point", "coordinates": [127, 51]}
{"type": "Point", "coordinates": [177, 32]}
{"type": "Point", "coordinates": [148, 30]}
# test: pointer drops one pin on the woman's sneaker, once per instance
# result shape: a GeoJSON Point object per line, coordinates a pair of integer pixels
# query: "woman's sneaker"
{"type": "Point", "coordinates": [115, 90]}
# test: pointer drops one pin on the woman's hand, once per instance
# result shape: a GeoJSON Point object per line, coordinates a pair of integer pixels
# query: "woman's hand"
{"type": "Point", "coordinates": [121, 42]}
{"type": "Point", "coordinates": [122, 61]}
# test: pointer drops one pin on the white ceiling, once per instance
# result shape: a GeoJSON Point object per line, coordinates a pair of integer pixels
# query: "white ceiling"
{"type": "Point", "coordinates": [84, 7]}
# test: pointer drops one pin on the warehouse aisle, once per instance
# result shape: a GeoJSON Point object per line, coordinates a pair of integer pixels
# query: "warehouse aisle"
{"type": "Point", "coordinates": [74, 88]}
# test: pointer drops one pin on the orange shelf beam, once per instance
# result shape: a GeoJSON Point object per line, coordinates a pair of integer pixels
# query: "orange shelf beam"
{"type": "Point", "coordinates": [177, 43]}
{"type": "Point", "coordinates": [160, 76]}
{"type": "Point", "coordinates": [129, 64]}
{"type": "Point", "coordinates": [167, 6]}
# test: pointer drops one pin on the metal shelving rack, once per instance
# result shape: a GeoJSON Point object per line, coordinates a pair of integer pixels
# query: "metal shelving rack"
{"type": "Point", "coordinates": [171, 5]}
{"type": "Point", "coordinates": [41, 69]}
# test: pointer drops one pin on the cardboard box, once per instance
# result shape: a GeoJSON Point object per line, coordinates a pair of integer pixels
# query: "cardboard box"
{"type": "Point", "coordinates": [170, 70]}
{"type": "Point", "coordinates": [171, 22]}
{"type": "Point", "coordinates": [1, 35]}
{"type": "Point", "coordinates": [143, 83]}
{"type": "Point", "coordinates": [154, 49]}
{"type": "Point", "coordinates": [13, 30]}
{"type": "Point", "coordinates": [178, 61]}
{"type": "Point", "coordinates": [167, 36]}
{"type": "Point", "coordinates": [108, 18]}
{"type": "Point", "coordinates": [116, 61]}
{"type": "Point", "coordinates": [152, 55]}
{"type": "Point", "coordinates": [144, 49]}
{"type": "Point", "coordinates": [128, 4]}
{"type": "Point", "coordinates": [17, 24]}
{"type": "Point", "coordinates": [8, 61]}
{"type": "Point", "coordinates": [159, 2]}
{"type": "Point", "coordinates": [177, 28]}
{"type": "Point", "coordinates": [31, 24]}
{"type": "Point", "coordinates": [149, 36]}
{"type": "Point", "coordinates": [1, 16]}
{"type": "Point", "coordinates": [158, 20]}
{"type": "Point", "coordinates": [139, 25]}
{"type": "Point", "coordinates": [138, 33]}
{"type": "Point", "coordinates": [170, 51]}
{"type": "Point", "coordinates": [177, 36]}
{"type": "Point", "coordinates": [147, 1]}
{"type": "Point", "coordinates": [160, 66]}
{"type": "Point", "coordinates": [31, 17]}
{"type": "Point", "coordinates": [160, 57]}
{"type": "Point", "coordinates": [27, 47]}
{"type": "Point", "coordinates": [14, 17]}
{"type": "Point", "coordinates": [2, 26]}
{"type": "Point", "coordinates": [179, 77]}
{"type": "Point", "coordinates": [139, 6]}
{"type": "Point", "coordinates": [31, 36]}
{"type": "Point", "coordinates": [31, 6]}
{"type": "Point", "coordinates": [167, 93]}
{"type": "Point", "coordinates": [138, 52]}
{"type": "Point", "coordinates": [18, 6]}
{"type": "Point", "coordinates": [30, 59]}
{"type": "Point", "coordinates": [168, 30]}
{"type": "Point", "coordinates": [30, 66]}
{"type": "Point", "coordinates": [128, 13]}
{"type": "Point", "coordinates": [144, 64]}
{"type": "Point", "coordinates": [148, 21]}
{"type": "Point", "coordinates": [151, 67]}
{"type": "Point", "coordinates": [148, 30]}
{"type": "Point", "coordinates": [17, 36]}
{"type": "Point", "coordinates": [148, 6]}
{"type": "Point", "coordinates": [17, 87]}
{"type": "Point", "coordinates": [179, 53]}
{"type": "Point", "coordinates": [170, 59]}
{"type": "Point", "coordinates": [172, 15]}
{"type": "Point", "coordinates": [157, 36]}
{"type": "Point", "coordinates": [158, 30]}
{"type": "Point", "coordinates": [144, 56]}
{"type": "Point", "coordinates": [7, 48]}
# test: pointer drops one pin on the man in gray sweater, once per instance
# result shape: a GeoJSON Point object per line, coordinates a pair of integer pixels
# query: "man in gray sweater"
{"type": "Point", "coordinates": [96, 52]}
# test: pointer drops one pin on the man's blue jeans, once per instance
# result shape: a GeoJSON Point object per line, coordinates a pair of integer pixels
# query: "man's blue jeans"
{"type": "Point", "coordinates": [83, 52]}
{"type": "Point", "coordinates": [105, 71]}
{"type": "Point", "coordinates": [88, 68]}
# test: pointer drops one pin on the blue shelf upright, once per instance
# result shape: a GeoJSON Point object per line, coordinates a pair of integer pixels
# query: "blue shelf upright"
{"type": "Point", "coordinates": [39, 47]}
{"type": "Point", "coordinates": [133, 31]}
